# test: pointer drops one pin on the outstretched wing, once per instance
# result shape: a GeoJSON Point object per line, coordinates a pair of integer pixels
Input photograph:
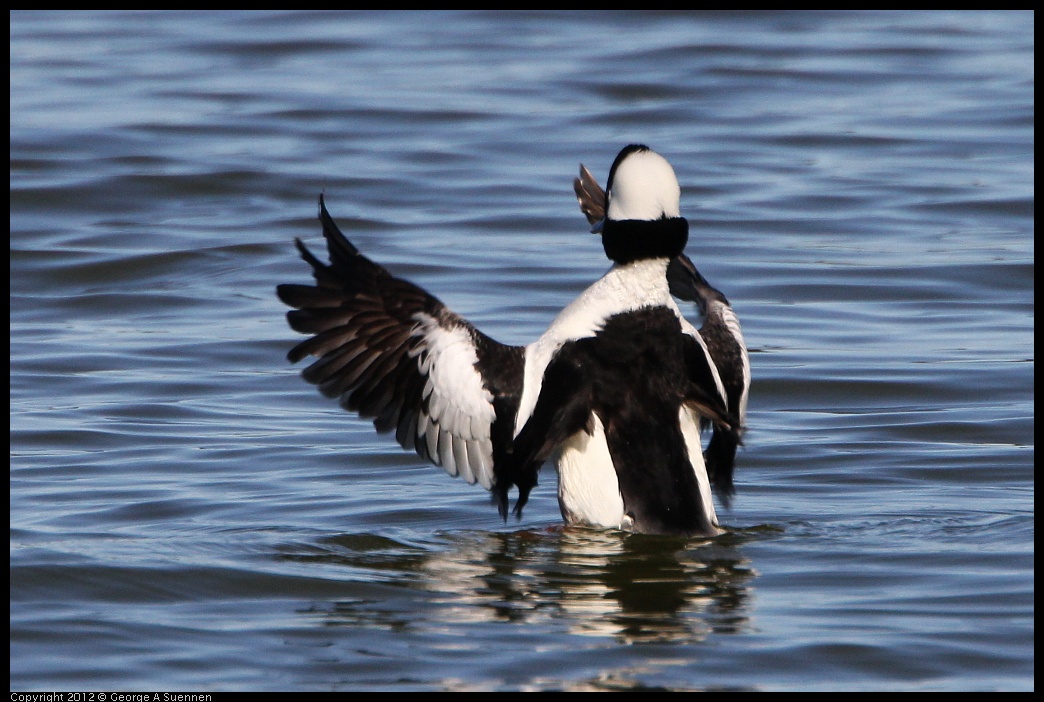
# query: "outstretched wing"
{"type": "Point", "coordinates": [394, 353]}
{"type": "Point", "coordinates": [724, 339]}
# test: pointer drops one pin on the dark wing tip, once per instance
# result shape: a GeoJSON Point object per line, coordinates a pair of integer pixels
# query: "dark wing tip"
{"type": "Point", "coordinates": [286, 292]}
{"type": "Point", "coordinates": [296, 354]}
{"type": "Point", "coordinates": [720, 458]}
{"type": "Point", "coordinates": [308, 256]}
{"type": "Point", "coordinates": [290, 293]}
{"type": "Point", "coordinates": [578, 189]}
{"type": "Point", "coordinates": [687, 283]}
{"type": "Point", "coordinates": [590, 196]}
{"type": "Point", "coordinates": [340, 248]}
{"type": "Point", "coordinates": [323, 213]}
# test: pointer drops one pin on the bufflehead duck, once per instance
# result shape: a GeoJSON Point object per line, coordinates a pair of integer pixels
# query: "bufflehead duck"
{"type": "Point", "coordinates": [720, 331]}
{"type": "Point", "coordinates": [614, 391]}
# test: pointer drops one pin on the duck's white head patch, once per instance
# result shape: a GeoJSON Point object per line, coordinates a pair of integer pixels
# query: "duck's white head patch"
{"type": "Point", "coordinates": [642, 185]}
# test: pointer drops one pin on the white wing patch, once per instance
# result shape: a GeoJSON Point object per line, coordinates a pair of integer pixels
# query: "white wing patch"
{"type": "Point", "coordinates": [733, 325]}
{"type": "Point", "coordinates": [456, 426]}
{"type": "Point", "coordinates": [690, 427]}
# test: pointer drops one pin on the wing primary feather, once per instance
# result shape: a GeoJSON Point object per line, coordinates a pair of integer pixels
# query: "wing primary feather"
{"type": "Point", "coordinates": [390, 351]}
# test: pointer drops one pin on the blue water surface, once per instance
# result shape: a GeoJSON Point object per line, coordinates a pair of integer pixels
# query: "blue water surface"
{"type": "Point", "coordinates": [188, 514]}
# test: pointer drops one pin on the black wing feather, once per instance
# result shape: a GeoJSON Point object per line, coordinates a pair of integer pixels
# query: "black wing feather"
{"type": "Point", "coordinates": [371, 349]}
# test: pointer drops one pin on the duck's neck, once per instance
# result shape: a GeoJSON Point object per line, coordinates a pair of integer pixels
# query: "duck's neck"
{"type": "Point", "coordinates": [628, 240]}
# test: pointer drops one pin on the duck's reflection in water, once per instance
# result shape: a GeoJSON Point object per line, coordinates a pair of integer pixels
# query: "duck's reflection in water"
{"type": "Point", "coordinates": [631, 588]}
{"type": "Point", "coordinates": [598, 583]}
